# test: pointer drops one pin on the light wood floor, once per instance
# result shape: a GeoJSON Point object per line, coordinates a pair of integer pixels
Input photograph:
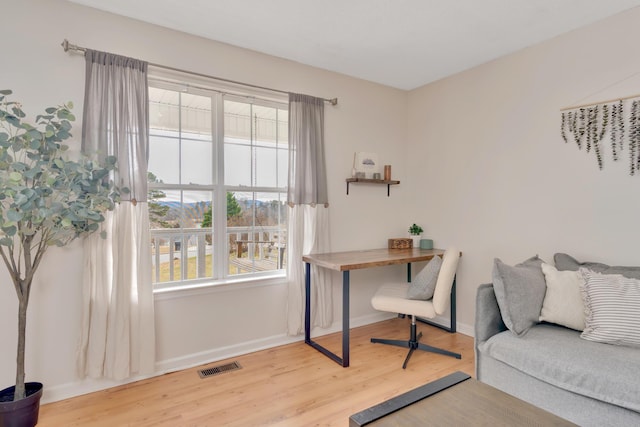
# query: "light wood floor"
{"type": "Point", "coordinates": [292, 385]}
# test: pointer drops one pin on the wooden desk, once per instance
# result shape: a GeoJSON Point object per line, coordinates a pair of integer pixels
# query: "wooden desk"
{"type": "Point", "coordinates": [354, 260]}
{"type": "Point", "coordinates": [459, 400]}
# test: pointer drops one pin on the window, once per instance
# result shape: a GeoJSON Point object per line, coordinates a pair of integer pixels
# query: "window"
{"type": "Point", "coordinates": [217, 186]}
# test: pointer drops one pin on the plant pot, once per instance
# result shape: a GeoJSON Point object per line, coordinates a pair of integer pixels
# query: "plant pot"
{"type": "Point", "coordinates": [416, 240]}
{"type": "Point", "coordinates": [426, 244]}
{"type": "Point", "coordinates": [24, 412]}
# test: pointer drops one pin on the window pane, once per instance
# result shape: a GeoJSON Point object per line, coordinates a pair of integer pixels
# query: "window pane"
{"type": "Point", "coordinates": [254, 135]}
{"type": "Point", "coordinates": [238, 135]}
{"type": "Point", "coordinates": [283, 167]}
{"type": "Point", "coordinates": [237, 161]}
{"type": "Point", "coordinates": [166, 240]}
{"type": "Point", "coordinates": [237, 120]}
{"type": "Point", "coordinates": [194, 206]}
{"type": "Point", "coordinates": [197, 239]}
{"type": "Point", "coordinates": [195, 139]}
{"type": "Point", "coordinates": [197, 162]}
{"type": "Point", "coordinates": [164, 158]}
{"type": "Point", "coordinates": [164, 112]}
{"type": "Point", "coordinates": [283, 126]}
{"type": "Point", "coordinates": [265, 121]}
{"type": "Point", "coordinates": [266, 166]}
{"type": "Point", "coordinates": [181, 234]}
{"type": "Point", "coordinates": [257, 236]}
{"type": "Point", "coordinates": [283, 147]}
{"type": "Point", "coordinates": [163, 207]}
{"type": "Point", "coordinates": [196, 115]}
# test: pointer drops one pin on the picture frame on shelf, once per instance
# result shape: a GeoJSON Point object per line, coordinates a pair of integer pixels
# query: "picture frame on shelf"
{"type": "Point", "coordinates": [366, 163]}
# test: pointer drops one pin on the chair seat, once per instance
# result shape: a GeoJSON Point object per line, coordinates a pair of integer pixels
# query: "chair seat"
{"type": "Point", "coordinates": [392, 297]}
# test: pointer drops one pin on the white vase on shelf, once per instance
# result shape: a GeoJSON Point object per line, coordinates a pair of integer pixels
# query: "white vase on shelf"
{"type": "Point", "coordinates": [416, 240]}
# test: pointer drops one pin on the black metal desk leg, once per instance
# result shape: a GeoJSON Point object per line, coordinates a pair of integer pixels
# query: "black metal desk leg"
{"type": "Point", "coordinates": [345, 318]}
{"type": "Point", "coordinates": [344, 360]}
{"type": "Point", "coordinates": [453, 323]}
{"type": "Point", "coordinates": [307, 304]}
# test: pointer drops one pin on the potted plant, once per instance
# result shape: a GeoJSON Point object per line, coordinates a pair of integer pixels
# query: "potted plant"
{"type": "Point", "coordinates": [45, 200]}
{"type": "Point", "coordinates": [415, 231]}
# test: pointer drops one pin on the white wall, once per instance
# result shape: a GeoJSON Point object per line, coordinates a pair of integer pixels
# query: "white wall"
{"type": "Point", "coordinates": [492, 175]}
{"type": "Point", "coordinates": [479, 157]}
{"type": "Point", "coordinates": [201, 325]}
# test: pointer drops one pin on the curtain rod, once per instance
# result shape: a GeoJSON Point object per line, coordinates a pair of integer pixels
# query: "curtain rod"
{"type": "Point", "coordinates": [68, 46]}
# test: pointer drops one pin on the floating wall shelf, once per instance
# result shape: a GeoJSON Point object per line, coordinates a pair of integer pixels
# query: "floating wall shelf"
{"type": "Point", "coordinates": [389, 183]}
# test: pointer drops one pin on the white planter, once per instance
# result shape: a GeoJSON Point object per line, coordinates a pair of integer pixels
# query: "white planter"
{"type": "Point", "coordinates": [416, 240]}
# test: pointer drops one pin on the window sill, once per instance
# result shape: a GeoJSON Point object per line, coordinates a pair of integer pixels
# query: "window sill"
{"type": "Point", "coordinates": [218, 286]}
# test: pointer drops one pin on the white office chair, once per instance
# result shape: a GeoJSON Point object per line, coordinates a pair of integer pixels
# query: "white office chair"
{"type": "Point", "coordinates": [392, 297]}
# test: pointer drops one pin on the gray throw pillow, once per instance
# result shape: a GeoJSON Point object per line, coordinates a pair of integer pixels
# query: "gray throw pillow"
{"type": "Point", "coordinates": [567, 262]}
{"type": "Point", "coordinates": [424, 284]}
{"type": "Point", "coordinates": [628, 272]}
{"type": "Point", "coordinates": [520, 292]}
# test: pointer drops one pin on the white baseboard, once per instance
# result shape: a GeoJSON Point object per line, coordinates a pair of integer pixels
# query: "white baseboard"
{"type": "Point", "coordinates": [65, 391]}
{"type": "Point", "coordinates": [80, 387]}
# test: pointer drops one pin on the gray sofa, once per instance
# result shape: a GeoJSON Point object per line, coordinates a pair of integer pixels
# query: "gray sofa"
{"type": "Point", "coordinates": [550, 366]}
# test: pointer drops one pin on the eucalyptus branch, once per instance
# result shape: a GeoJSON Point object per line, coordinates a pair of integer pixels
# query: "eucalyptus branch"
{"type": "Point", "coordinates": [40, 251]}
{"type": "Point", "coordinates": [29, 269]}
{"type": "Point", "coordinates": [8, 264]}
{"type": "Point", "coordinates": [26, 249]}
{"type": "Point", "coordinates": [563, 126]}
{"type": "Point", "coordinates": [15, 271]}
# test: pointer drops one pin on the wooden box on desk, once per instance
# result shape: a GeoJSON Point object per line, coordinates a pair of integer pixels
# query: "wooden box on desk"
{"type": "Point", "coordinates": [400, 243]}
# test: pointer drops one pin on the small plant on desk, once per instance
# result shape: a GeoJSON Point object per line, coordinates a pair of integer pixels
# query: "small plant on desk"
{"type": "Point", "coordinates": [415, 230]}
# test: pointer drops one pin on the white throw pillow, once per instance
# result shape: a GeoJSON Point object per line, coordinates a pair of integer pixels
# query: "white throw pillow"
{"type": "Point", "coordinates": [612, 304]}
{"type": "Point", "coordinates": [563, 303]}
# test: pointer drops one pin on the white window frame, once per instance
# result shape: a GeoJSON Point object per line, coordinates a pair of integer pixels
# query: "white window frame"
{"type": "Point", "coordinates": [219, 188]}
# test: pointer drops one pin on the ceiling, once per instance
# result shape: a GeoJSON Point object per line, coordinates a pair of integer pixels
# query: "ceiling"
{"type": "Point", "coordinates": [399, 43]}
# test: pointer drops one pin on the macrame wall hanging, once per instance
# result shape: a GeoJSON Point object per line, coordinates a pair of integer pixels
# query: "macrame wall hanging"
{"type": "Point", "coordinates": [587, 126]}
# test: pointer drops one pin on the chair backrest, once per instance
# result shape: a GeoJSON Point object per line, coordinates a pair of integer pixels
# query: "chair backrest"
{"type": "Point", "coordinates": [442, 293]}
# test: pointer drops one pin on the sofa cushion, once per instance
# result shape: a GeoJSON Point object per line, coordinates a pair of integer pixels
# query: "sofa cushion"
{"type": "Point", "coordinates": [520, 291]}
{"type": "Point", "coordinates": [567, 262]}
{"type": "Point", "coordinates": [612, 304]}
{"type": "Point", "coordinates": [563, 300]}
{"type": "Point", "coordinates": [558, 356]}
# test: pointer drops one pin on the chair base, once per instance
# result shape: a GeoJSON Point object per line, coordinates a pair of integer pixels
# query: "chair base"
{"type": "Point", "coordinates": [414, 344]}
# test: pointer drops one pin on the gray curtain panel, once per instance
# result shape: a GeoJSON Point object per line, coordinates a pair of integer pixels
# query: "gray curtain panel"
{"type": "Point", "coordinates": [116, 117]}
{"type": "Point", "coordinates": [308, 220]}
{"type": "Point", "coordinates": [118, 329]}
{"type": "Point", "coordinates": [307, 167]}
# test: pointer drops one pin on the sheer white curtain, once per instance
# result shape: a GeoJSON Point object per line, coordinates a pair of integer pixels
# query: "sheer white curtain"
{"type": "Point", "coordinates": [118, 333]}
{"type": "Point", "coordinates": [308, 212]}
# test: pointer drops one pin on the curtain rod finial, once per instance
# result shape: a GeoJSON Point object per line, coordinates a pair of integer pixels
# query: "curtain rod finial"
{"type": "Point", "coordinates": [333, 101]}
{"type": "Point", "coordinates": [65, 45]}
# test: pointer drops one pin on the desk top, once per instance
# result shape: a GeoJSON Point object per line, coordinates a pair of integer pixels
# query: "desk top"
{"type": "Point", "coordinates": [354, 260]}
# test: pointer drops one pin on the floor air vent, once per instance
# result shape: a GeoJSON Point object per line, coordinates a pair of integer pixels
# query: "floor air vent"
{"type": "Point", "coordinates": [217, 370]}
